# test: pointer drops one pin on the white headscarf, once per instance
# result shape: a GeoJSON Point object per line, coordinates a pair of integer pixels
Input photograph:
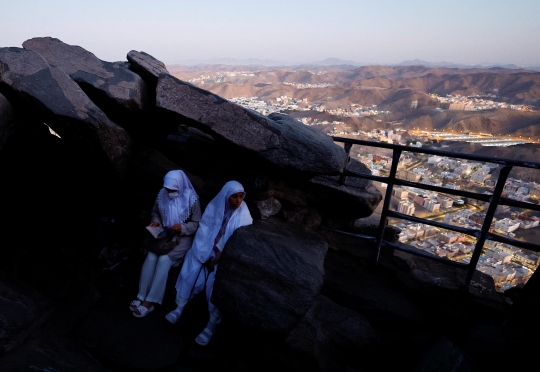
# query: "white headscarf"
{"type": "Point", "coordinates": [177, 210]}
{"type": "Point", "coordinates": [212, 219]}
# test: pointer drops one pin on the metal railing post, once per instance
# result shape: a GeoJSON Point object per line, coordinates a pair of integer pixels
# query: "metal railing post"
{"type": "Point", "coordinates": [396, 154]}
{"type": "Point", "coordinates": [481, 239]}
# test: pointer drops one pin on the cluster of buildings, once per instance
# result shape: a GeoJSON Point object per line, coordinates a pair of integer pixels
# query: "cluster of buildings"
{"type": "Point", "coordinates": [475, 103]}
{"type": "Point", "coordinates": [507, 265]}
{"type": "Point", "coordinates": [285, 103]}
{"type": "Point", "coordinates": [220, 77]}
{"type": "Point", "coordinates": [281, 104]}
{"type": "Point", "coordinates": [308, 86]}
{"type": "Point", "coordinates": [484, 139]}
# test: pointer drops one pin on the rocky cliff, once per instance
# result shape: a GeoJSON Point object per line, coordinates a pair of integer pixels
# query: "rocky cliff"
{"type": "Point", "coordinates": [84, 145]}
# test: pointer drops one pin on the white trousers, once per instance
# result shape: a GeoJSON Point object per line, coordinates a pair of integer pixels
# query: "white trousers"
{"type": "Point", "coordinates": [194, 284]}
{"type": "Point", "coordinates": [153, 280]}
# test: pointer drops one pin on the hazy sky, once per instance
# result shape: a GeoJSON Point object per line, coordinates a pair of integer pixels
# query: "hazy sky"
{"type": "Point", "coordinates": [383, 31]}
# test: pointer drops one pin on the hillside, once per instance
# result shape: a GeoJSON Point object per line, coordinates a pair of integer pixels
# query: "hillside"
{"type": "Point", "coordinates": [391, 90]}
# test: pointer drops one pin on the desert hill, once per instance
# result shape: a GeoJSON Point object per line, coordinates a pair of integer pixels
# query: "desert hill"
{"type": "Point", "coordinates": [389, 89]}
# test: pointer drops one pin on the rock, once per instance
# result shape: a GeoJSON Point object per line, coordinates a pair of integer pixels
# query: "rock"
{"type": "Point", "coordinates": [112, 332]}
{"type": "Point", "coordinates": [26, 77]}
{"type": "Point", "coordinates": [332, 334]}
{"type": "Point", "coordinates": [306, 148]}
{"type": "Point", "coordinates": [121, 87]}
{"type": "Point", "coordinates": [287, 144]}
{"type": "Point", "coordinates": [443, 355]}
{"type": "Point", "coordinates": [359, 195]}
{"type": "Point", "coordinates": [22, 309]}
{"type": "Point", "coordinates": [262, 209]}
{"type": "Point", "coordinates": [146, 66]}
{"type": "Point", "coordinates": [484, 341]}
{"type": "Point", "coordinates": [48, 353]}
{"type": "Point", "coordinates": [303, 215]}
{"type": "Point", "coordinates": [372, 292]}
{"type": "Point", "coordinates": [7, 120]}
{"type": "Point", "coordinates": [269, 275]}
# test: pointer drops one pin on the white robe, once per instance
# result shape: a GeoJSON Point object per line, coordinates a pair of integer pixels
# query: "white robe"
{"type": "Point", "coordinates": [193, 275]}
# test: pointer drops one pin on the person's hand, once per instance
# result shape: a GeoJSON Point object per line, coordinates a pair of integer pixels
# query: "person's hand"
{"type": "Point", "coordinates": [176, 228]}
{"type": "Point", "coordinates": [210, 265]}
{"type": "Point", "coordinates": [154, 224]}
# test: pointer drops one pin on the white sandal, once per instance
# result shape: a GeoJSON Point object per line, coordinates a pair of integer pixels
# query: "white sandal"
{"type": "Point", "coordinates": [133, 305]}
{"type": "Point", "coordinates": [143, 311]}
{"type": "Point", "coordinates": [173, 316]}
{"type": "Point", "coordinates": [204, 337]}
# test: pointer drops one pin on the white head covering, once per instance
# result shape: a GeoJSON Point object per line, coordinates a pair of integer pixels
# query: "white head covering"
{"type": "Point", "coordinates": [212, 219]}
{"type": "Point", "coordinates": [177, 210]}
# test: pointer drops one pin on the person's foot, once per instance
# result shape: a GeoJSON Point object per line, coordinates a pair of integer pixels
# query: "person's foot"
{"type": "Point", "coordinates": [142, 310]}
{"type": "Point", "coordinates": [174, 315]}
{"type": "Point", "coordinates": [134, 304]}
{"type": "Point", "coordinates": [204, 337]}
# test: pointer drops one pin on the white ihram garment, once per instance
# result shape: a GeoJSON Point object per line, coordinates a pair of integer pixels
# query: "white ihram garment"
{"type": "Point", "coordinates": [192, 276]}
{"type": "Point", "coordinates": [183, 209]}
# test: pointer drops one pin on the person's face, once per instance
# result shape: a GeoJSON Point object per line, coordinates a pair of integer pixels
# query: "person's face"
{"type": "Point", "coordinates": [172, 193]}
{"type": "Point", "coordinates": [235, 200]}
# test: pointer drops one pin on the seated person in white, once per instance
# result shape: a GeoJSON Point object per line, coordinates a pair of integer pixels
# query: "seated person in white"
{"type": "Point", "coordinates": [177, 207]}
{"type": "Point", "coordinates": [223, 215]}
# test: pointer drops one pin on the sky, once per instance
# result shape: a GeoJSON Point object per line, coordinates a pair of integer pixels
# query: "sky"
{"type": "Point", "coordinates": [292, 31]}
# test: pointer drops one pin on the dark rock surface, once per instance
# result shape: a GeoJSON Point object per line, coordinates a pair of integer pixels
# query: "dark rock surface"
{"type": "Point", "coordinates": [7, 120]}
{"type": "Point", "coordinates": [370, 291]}
{"type": "Point", "coordinates": [332, 334]}
{"type": "Point", "coordinates": [286, 144]}
{"type": "Point", "coordinates": [269, 275]}
{"type": "Point", "coordinates": [22, 308]}
{"type": "Point", "coordinates": [26, 77]}
{"type": "Point", "coordinates": [119, 85]}
{"type": "Point", "coordinates": [149, 343]}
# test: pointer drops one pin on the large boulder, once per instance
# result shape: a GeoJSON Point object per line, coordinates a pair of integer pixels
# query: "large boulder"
{"type": "Point", "coordinates": [120, 86]}
{"type": "Point", "coordinates": [287, 144]}
{"type": "Point", "coordinates": [7, 120]}
{"type": "Point", "coordinates": [27, 79]}
{"type": "Point", "coordinates": [269, 275]}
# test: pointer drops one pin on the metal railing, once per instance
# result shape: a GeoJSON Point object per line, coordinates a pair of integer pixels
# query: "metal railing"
{"type": "Point", "coordinates": [481, 235]}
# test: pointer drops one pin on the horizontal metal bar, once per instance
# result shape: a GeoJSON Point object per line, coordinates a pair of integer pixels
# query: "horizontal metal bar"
{"type": "Point", "coordinates": [368, 176]}
{"type": "Point", "coordinates": [430, 256]}
{"type": "Point", "coordinates": [514, 242]}
{"type": "Point", "coordinates": [371, 239]}
{"type": "Point", "coordinates": [472, 232]}
{"type": "Point", "coordinates": [449, 154]}
{"type": "Point", "coordinates": [444, 190]}
{"type": "Point", "coordinates": [519, 204]}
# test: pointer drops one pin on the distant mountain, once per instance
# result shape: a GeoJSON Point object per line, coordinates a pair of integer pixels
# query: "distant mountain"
{"type": "Point", "coordinates": [336, 61]}
{"type": "Point", "coordinates": [419, 62]}
{"type": "Point", "coordinates": [231, 61]}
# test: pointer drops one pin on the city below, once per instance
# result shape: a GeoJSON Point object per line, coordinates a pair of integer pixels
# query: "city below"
{"type": "Point", "coordinates": [507, 265]}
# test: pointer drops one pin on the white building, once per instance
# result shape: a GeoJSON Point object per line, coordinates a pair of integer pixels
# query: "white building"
{"type": "Point", "coordinates": [406, 207]}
